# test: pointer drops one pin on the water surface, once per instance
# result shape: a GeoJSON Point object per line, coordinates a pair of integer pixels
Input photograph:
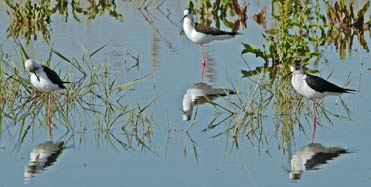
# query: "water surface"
{"type": "Point", "coordinates": [177, 152]}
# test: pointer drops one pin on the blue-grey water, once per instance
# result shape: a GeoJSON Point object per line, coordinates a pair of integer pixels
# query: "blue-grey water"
{"type": "Point", "coordinates": [170, 64]}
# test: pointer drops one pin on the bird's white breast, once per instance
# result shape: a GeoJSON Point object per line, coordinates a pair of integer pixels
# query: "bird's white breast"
{"type": "Point", "coordinates": [191, 33]}
{"type": "Point", "coordinates": [301, 86]}
{"type": "Point", "coordinates": [43, 83]}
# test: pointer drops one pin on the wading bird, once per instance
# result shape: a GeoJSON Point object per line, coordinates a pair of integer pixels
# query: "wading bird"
{"type": "Point", "coordinates": [313, 88]}
{"type": "Point", "coordinates": [44, 79]}
{"type": "Point", "coordinates": [202, 34]}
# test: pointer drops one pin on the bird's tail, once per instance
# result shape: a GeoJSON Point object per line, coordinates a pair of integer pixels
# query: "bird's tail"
{"type": "Point", "coordinates": [346, 90]}
{"type": "Point", "coordinates": [233, 33]}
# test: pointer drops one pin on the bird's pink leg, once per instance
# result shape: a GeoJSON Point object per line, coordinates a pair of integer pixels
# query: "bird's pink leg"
{"type": "Point", "coordinates": [314, 120]}
{"type": "Point", "coordinates": [202, 74]}
{"type": "Point", "coordinates": [203, 63]}
{"type": "Point", "coordinates": [49, 121]}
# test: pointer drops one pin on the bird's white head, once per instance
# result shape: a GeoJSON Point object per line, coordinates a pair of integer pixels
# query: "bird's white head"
{"type": "Point", "coordinates": [186, 11]}
{"type": "Point", "coordinates": [188, 14]}
{"type": "Point", "coordinates": [295, 175]}
{"type": "Point", "coordinates": [187, 115]}
{"type": "Point", "coordinates": [187, 106]}
{"type": "Point", "coordinates": [31, 66]}
{"type": "Point", "coordinates": [296, 68]}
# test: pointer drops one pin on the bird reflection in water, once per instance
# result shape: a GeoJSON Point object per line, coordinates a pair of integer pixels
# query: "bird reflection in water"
{"type": "Point", "coordinates": [201, 93]}
{"type": "Point", "coordinates": [311, 157]}
{"type": "Point", "coordinates": [42, 156]}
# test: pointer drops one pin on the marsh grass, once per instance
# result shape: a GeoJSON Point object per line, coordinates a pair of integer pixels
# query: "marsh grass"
{"type": "Point", "coordinates": [93, 100]}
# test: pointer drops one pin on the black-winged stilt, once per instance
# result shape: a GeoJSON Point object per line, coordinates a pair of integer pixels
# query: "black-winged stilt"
{"type": "Point", "coordinates": [202, 34]}
{"type": "Point", "coordinates": [44, 79]}
{"type": "Point", "coordinates": [313, 88]}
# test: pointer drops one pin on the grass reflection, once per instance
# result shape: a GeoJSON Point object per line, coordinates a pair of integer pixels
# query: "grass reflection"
{"type": "Point", "coordinates": [28, 19]}
{"type": "Point", "coordinates": [221, 12]}
{"type": "Point", "coordinates": [316, 25]}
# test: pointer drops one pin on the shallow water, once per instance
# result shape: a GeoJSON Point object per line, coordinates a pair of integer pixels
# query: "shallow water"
{"type": "Point", "coordinates": [176, 155]}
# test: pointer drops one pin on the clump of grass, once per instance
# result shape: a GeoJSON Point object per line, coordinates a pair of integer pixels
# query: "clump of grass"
{"type": "Point", "coordinates": [91, 102]}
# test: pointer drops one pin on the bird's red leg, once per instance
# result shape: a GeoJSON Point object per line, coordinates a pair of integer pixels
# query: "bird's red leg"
{"type": "Point", "coordinates": [202, 73]}
{"type": "Point", "coordinates": [314, 120]}
{"type": "Point", "coordinates": [49, 121]}
{"type": "Point", "coordinates": [203, 63]}
{"type": "Point", "coordinates": [203, 56]}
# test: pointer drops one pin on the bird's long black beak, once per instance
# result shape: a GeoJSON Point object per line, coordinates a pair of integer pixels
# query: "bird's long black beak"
{"type": "Point", "coordinates": [38, 78]}
{"type": "Point", "coordinates": [183, 18]}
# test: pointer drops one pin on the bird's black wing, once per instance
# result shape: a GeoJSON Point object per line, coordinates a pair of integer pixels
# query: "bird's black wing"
{"type": "Point", "coordinates": [53, 76]}
{"type": "Point", "coordinates": [322, 158]}
{"type": "Point", "coordinates": [321, 85]}
{"type": "Point", "coordinates": [211, 30]}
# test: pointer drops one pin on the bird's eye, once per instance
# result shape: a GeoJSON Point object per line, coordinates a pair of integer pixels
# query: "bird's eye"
{"type": "Point", "coordinates": [297, 66]}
